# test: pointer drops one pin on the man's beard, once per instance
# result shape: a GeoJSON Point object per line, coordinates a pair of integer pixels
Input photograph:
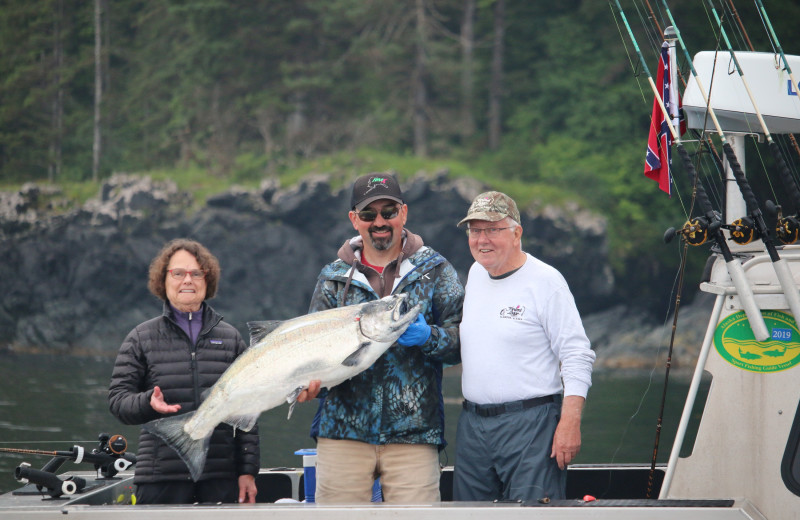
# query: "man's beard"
{"type": "Point", "coordinates": [382, 243]}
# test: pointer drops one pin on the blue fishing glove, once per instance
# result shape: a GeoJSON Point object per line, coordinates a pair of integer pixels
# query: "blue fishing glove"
{"type": "Point", "coordinates": [416, 334]}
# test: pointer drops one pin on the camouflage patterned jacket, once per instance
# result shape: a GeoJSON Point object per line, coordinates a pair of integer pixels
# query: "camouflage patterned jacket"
{"type": "Point", "coordinates": [399, 399]}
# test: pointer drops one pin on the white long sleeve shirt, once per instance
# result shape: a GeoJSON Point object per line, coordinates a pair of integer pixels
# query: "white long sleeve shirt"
{"type": "Point", "coordinates": [522, 336]}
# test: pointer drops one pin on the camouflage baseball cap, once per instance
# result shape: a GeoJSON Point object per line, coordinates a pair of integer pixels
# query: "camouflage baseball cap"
{"type": "Point", "coordinates": [492, 206]}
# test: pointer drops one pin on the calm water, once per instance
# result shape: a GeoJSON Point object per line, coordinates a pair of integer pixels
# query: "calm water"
{"type": "Point", "coordinates": [55, 402]}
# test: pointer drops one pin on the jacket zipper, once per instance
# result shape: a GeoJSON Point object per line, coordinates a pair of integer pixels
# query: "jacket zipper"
{"type": "Point", "coordinates": [195, 376]}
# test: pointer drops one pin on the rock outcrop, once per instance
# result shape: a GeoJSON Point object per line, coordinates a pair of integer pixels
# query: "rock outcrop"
{"type": "Point", "coordinates": [74, 280]}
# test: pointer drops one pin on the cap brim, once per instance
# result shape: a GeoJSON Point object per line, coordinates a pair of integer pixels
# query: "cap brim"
{"type": "Point", "coordinates": [366, 202]}
{"type": "Point", "coordinates": [489, 216]}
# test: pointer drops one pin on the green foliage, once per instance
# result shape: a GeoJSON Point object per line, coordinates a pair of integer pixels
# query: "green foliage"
{"type": "Point", "coordinates": [196, 181]}
{"type": "Point", "coordinates": [80, 191]}
{"type": "Point", "coordinates": [343, 167]}
{"type": "Point", "coordinates": [215, 92]}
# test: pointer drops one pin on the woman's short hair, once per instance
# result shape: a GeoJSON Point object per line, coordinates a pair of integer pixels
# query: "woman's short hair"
{"type": "Point", "coordinates": [158, 267]}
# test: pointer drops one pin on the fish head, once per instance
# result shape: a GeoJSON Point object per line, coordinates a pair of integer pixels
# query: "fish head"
{"type": "Point", "coordinates": [386, 319]}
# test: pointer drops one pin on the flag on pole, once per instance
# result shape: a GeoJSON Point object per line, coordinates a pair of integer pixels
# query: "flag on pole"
{"type": "Point", "coordinates": [658, 159]}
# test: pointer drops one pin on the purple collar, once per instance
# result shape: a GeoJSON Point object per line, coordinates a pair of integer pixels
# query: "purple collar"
{"type": "Point", "coordinates": [190, 322]}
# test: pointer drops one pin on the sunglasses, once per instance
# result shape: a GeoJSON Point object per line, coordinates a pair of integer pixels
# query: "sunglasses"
{"type": "Point", "coordinates": [388, 213]}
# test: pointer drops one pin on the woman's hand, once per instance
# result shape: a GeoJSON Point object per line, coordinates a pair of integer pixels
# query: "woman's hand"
{"type": "Point", "coordinates": [158, 404]}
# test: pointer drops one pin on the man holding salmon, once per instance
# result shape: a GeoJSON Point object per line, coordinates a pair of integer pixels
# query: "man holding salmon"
{"type": "Point", "coordinates": [387, 421]}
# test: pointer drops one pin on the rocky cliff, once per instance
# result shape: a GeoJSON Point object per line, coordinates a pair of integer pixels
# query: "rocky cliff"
{"type": "Point", "coordinates": [74, 280]}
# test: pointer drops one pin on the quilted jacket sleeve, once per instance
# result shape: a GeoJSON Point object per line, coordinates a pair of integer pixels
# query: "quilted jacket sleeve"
{"type": "Point", "coordinates": [128, 395]}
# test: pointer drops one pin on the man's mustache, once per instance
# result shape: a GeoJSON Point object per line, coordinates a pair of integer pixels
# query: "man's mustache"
{"type": "Point", "coordinates": [380, 229]}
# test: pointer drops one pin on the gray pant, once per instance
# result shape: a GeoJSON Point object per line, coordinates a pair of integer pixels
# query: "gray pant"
{"type": "Point", "coordinates": [507, 457]}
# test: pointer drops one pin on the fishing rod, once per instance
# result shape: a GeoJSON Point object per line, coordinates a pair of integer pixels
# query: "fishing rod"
{"type": "Point", "coordinates": [109, 458]}
{"type": "Point", "coordinates": [774, 37]}
{"type": "Point", "coordinates": [706, 141]}
{"type": "Point", "coordinates": [787, 228]}
{"type": "Point", "coordinates": [696, 231]}
{"type": "Point", "coordinates": [708, 340]}
{"type": "Point", "coordinates": [782, 271]}
{"type": "Point", "coordinates": [653, 17]}
{"type": "Point", "coordinates": [738, 19]}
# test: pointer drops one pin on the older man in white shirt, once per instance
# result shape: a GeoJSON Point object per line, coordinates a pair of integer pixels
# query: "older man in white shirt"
{"type": "Point", "coordinates": [527, 366]}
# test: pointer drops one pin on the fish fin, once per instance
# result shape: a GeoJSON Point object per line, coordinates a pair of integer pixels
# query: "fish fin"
{"type": "Point", "coordinates": [261, 329]}
{"type": "Point", "coordinates": [292, 399]}
{"type": "Point", "coordinates": [353, 359]}
{"type": "Point", "coordinates": [243, 422]}
{"type": "Point", "coordinates": [192, 452]}
{"type": "Point", "coordinates": [294, 394]}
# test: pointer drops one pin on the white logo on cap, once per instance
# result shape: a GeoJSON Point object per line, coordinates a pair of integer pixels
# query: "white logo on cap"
{"type": "Point", "coordinates": [485, 203]}
{"type": "Point", "coordinates": [375, 182]}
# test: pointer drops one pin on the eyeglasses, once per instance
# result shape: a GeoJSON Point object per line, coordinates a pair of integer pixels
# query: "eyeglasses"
{"type": "Point", "coordinates": [179, 273]}
{"type": "Point", "coordinates": [490, 231]}
{"type": "Point", "coordinates": [388, 213]}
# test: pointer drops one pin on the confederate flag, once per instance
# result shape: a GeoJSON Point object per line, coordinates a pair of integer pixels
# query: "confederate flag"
{"type": "Point", "coordinates": [658, 160]}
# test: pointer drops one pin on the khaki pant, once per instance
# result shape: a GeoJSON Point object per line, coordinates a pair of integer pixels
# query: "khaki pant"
{"type": "Point", "coordinates": [347, 469]}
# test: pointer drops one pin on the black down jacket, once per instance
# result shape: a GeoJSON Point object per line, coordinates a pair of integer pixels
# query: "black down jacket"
{"type": "Point", "coordinates": [159, 353]}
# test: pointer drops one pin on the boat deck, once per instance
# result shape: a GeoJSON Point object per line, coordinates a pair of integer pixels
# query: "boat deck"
{"type": "Point", "coordinates": [105, 498]}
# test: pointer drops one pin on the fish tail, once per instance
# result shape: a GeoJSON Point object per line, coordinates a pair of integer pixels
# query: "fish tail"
{"type": "Point", "coordinates": [193, 452]}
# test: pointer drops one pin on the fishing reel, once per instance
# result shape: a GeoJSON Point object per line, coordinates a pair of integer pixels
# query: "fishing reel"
{"type": "Point", "coordinates": [695, 231]}
{"type": "Point", "coordinates": [787, 229]}
{"type": "Point", "coordinates": [112, 444]}
{"type": "Point", "coordinates": [109, 458]}
{"type": "Point", "coordinates": [743, 230]}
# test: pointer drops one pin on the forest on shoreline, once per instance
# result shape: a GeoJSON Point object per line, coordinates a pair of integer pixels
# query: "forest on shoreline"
{"type": "Point", "coordinates": [544, 100]}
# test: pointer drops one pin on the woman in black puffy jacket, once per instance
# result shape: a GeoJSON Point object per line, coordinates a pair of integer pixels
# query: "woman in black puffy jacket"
{"type": "Point", "coordinates": [163, 367]}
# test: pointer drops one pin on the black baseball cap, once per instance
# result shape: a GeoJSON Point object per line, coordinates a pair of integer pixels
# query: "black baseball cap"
{"type": "Point", "coordinates": [374, 186]}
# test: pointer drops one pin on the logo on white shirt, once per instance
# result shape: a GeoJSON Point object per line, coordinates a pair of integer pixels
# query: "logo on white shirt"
{"type": "Point", "coordinates": [513, 313]}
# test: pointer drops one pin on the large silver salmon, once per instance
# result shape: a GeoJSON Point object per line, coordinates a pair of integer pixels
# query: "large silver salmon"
{"type": "Point", "coordinates": [332, 346]}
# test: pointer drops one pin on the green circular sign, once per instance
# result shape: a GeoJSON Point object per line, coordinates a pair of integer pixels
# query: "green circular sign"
{"type": "Point", "coordinates": [737, 345]}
